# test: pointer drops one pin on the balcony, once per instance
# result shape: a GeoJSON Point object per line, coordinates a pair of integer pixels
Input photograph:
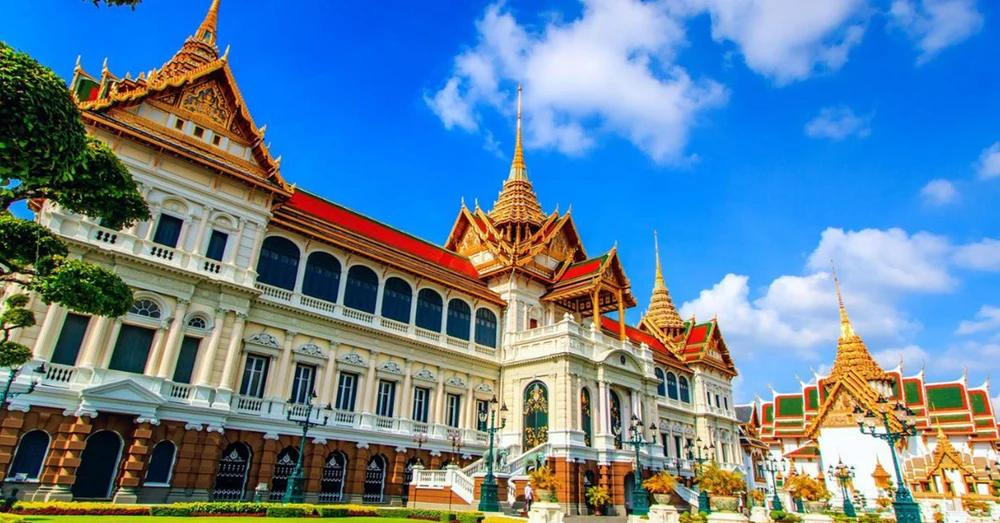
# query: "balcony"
{"type": "Point", "coordinates": [337, 311]}
{"type": "Point", "coordinates": [126, 243]}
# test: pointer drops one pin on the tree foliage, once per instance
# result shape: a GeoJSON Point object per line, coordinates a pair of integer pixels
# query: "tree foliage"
{"type": "Point", "coordinates": [45, 153]}
{"type": "Point", "coordinates": [115, 3]}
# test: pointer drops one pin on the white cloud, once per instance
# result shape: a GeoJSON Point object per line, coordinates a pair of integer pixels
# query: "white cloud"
{"type": "Point", "coordinates": [939, 192]}
{"type": "Point", "coordinates": [787, 40]}
{"type": "Point", "coordinates": [610, 70]}
{"type": "Point", "coordinates": [911, 355]}
{"type": "Point", "coordinates": [936, 24]}
{"type": "Point", "coordinates": [838, 123]}
{"type": "Point", "coordinates": [983, 255]}
{"type": "Point", "coordinates": [880, 271]}
{"type": "Point", "coordinates": [987, 319]}
{"type": "Point", "coordinates": [989, 162]}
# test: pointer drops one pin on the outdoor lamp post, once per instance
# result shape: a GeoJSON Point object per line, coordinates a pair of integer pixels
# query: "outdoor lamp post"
{"type": "Point", "coordinates": [699, 458]}
{"type": "Point", "coordinates": [773, 467]}
{"type": "Point", "coordinates": [301, 414]}
{"type": "Point", "coordinates": [419, 438]}
{"type": "Point", "coordinates": [844, 475]}
{"type": "Point", "coordinates": [455, 437]}
{"type": "Point", "coordinates": [488, 501]}
{"type": "Point", "coordinates": [907, 511]}
{"type": "Point", "coordinates": [12, 375]}
{"type": "Point", "coordinates": [640, 503]}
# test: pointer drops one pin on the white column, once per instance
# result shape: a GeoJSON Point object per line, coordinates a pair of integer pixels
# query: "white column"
{"type": "Point", "coordinates": [444, 317]}
{"type": "Point", "coordinates": [104, 356]}
{"type": "Point", "coordinates": [325, 397]}
{"type": "Point", "coordinates": [202, 225]}
{"type": "Point", "coordinates": [279, 387]}
{"type": "Point", "coordinates": [413, 307]}
{"type": "Point", "coordinates": [153, 217]}
{"type": "Point", "coordinates": [233, 247]}
{"type": "Point", "coordinates": [233, 352]}
{"type": "Point", "coordinates": [405, 403]}
{"type": "Point", "coordinates": [370, 379]}
{"type": "Point", "coordinates": [173, 345]}
{"type": "Point", "coordinates": [602, 415]}
{"type": "Point", "coordinates": [470, 405]}
{"type": "Point", "coordinates": [258, 239]}
{"type": "Point", "coordinates": [378, 296]}
{"type": "Point", "coordinates": [439, 400]}
{"type": "Point", "coordinates": [46, 341]}
{"type": "Point", "coordinates": [208, 357]}
{"type": "Point", "coordinates": [95, 339]}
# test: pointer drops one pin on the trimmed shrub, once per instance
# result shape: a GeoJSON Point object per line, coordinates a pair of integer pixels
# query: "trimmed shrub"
{"type": "Point", "coordinates": [72, 508]}
{"type": "Point", "coordinates": [285, 512]}
{"type": "Point", "coordinates": [11, 518]}
{"type": "Point", "coordinates": [470, 517]}
{"type": "Point", "coordinates": [170, 510]}
{"type": "Point", "coordinates": [332, 512]}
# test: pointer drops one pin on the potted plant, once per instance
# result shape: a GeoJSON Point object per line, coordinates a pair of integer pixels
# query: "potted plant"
{"type": "Point", "coordinates": [660, 485]}
{"type": "Point", "coordinates": [882, 503]}
{"type": "Point", "coordinates": [721, 486]}
{"type": "Point", "coordinates": [757, 496]}
{"type": "Point", "coordinates": [598, 497]}
{"type": "Point", "coordinates": [545, 483]}
{"type": "Point", "coordinates": [810, 490]}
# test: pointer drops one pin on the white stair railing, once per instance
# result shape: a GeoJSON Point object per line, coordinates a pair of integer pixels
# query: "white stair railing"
{"type": "Point", "coordinates": [687, 494]}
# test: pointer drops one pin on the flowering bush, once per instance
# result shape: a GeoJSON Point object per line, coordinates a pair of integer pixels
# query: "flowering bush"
{"type": "Point", "coordinates": [662, 482]}
{"type": "Point", "coordinates": [67, 508]}
{"type": "Point", "coordinates": [807, 488]}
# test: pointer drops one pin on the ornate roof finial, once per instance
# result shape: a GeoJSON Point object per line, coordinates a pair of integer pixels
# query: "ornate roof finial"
{"type": "Point", "coordinates": [659, 284]}
{"type": "Point", "coordinates": [852, 354]}
{"type": "Point", "coordinates": [846, 329]}
{"type": "Point", "coordinates": [518, 169]}
{"type": "Point", "coordinates": [662, 313]}
{"type": "Point", "coordinates": [209, 26]}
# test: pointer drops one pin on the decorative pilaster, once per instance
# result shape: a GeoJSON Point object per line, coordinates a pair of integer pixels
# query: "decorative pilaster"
{"type": "Point", "coordinates": [202, 225]}
{"type": "Point", "coordinates": [370, 378]}
{"type": "Point", "coordinates": [46, 341]}
{"type": "Point", "coordinates": [281, 385]}
{"type": "Point", "coordinates": [10, 430]}
{"type": "Point", "coordinates": [173, 345]}
{"type": "Point", "coordinates": [135, 464]}
{"type": "Point", "coordinates": [95, 340]}
{"type": "Point", "coordinates": [233, 352]}
{"type": "Point", "coordinates": [208, 358]}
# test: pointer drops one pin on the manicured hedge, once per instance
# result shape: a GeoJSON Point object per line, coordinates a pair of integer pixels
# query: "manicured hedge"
{"type": "Point", "coordinates": [332, 512]}
{"type": "Point", "coordinates": [287, 512]}
{"type": "Point", "coordinates": [57, 508]}
{"type": "Point", "coordinates": [170, 510]}
{"type": "Point", "coordinates": [11, 518]}
{"type": "Point", "coordinates": [67, 508]}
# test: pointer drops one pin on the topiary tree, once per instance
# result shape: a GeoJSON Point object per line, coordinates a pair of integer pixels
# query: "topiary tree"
{"type": "Point", "coordinates": [45, 153]}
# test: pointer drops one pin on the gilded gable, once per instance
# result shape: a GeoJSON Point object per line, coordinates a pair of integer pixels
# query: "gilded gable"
{"type": "Point", "coordinates": [207, 100]}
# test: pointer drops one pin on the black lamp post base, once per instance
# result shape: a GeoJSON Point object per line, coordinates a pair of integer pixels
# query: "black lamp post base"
{"type": "Point", "coordinates": [488, 498]}
{"type": "Point", "coordinates": [907, 511]}
{"type": "Point", "coordinates": [703, 504]}
{"type": "Point", "coordinates": [295, 491]}
{"type": "Point", "coordinates": [640, 501]}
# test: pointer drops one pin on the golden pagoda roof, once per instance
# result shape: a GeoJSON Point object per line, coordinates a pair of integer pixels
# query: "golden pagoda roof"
{"type": "Point", "coordinates": [662, 313]}
{"type": "Point", "coordinates": [852, 354]}
{"type": "Point", "coordinates": [199, 48]}
{"type": "Point", "coordinates": [945, 456]}
{"type": "Point", "coordinates": [880, 474]}
{"type": "Point", "coordinates": [517, 202]}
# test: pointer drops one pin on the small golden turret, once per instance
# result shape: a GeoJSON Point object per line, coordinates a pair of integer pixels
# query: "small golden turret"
{"type": "Point", "coordinates": [662, 313]}
{"type": "Point", "coordinates": [517, 207]}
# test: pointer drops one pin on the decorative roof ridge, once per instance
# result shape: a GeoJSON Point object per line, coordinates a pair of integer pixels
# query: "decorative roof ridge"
{"type": "Point", "coordinates": [518, 169]}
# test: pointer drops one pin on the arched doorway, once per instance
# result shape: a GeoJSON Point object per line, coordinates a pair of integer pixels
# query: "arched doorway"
{"type": "Point", "coordinates": [408, 478]}
{"type": "Point", "coordinates": [374, 480]}
{"type": "Point", "coordinates": [536, 415]}
{"type": "Point", "coordinates": [628, 484]}
{"type": "Point", "coordinates": [231, 477]}
{"type": "Point", "coordinates": [98, 466]}
{"type": "Point", "coordinates": [283, 469]}
{"type": "Point", "coordinates": [332, 485]}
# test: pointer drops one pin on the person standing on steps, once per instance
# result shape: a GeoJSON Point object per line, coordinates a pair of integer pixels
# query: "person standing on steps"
{"type": "Point", "coordinates": [529, 496]}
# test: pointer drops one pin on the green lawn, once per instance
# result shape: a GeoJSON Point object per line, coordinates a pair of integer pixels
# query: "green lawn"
{"type": "Point", "coordinates": [225, 519]}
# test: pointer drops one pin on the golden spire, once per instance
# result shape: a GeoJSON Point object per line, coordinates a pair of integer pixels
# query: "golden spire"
{"type": "Point", "coordinates": [518, 169]}
{"type": "Point", "coordinates": [852, 354]}
{"type": "Point", "coordinates": [517, 203]}
{"type": "Point", "coordinates": [208, 27]}
{"type": "Point", "coordinates": [846, 329]}
{"type": "Point", "coordinates": [661, 313]}
{"type": "Point", "coordinates": [199, 49]}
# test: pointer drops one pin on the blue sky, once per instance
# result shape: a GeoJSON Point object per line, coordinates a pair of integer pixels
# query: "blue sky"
{"type": "Point", "coordinates": [761, 139]}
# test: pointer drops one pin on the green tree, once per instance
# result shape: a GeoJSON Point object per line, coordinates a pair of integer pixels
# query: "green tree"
{"type": "Point", "coordinates": [45, 153]}
{"type": "Point", "coordinates": [113, 3]}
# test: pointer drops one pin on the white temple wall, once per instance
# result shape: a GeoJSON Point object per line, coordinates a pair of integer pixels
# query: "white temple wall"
{"type": "Point", "coordinates": [857, 450]}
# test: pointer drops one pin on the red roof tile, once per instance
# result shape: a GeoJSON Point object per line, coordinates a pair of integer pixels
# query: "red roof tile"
{"type": "Point", "coordinates": [698, 334]}
{"type": "Point", "coordinates": [582, 268]}
{"type": "Point", "coordinates": [633, 334]}
{"type": "Point", "coordinates": [348, 219]}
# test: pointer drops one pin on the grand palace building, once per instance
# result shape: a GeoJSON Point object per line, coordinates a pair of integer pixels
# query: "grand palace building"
{"type": "Point", "coordinates": [255, 299]}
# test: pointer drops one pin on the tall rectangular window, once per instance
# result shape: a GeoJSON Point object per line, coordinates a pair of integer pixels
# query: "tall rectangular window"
{"type": "Point", "coordinates": [677, 447]}
{"type": "Point", "coordinates": [482, 422]}
{"type": "Point", "coordinates": [70, 339]}
{"type": "Point", "coordinates": [421, 402]}
{"type": "Point", "coordinates": [168, 230]}
{"type": "Point", "coordinates": [717, 404]}
{"type": "Point", "coordinates": [132, 349]}
{"type": "Point", "coordinates": [386, 398]}
{"type": "Point", "coordinates": [347, 390]}
{"type": "Point", "coordinates": [302, 386]}
{"type": "Point", "coordinates": [454, 410]}
{"type": "Point", "coordinates": [254, 376]}
{"type": "Point", "coordinates": [725, 403]}
{"type": "Point", "coordinates": [217, 245]}
{"type": "Point", "coordinates": [185, 360]}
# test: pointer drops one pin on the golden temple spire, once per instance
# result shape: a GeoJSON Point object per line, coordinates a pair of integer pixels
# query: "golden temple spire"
{"type": "Point", "coordinates": [517, 203]}
{"type": "Point", "coordinates": [846, 329]}
{"type": "Point", "coordinates": [661, 313]}
{"type": "Point", "coordinates": [518, 169]}
{"type": "Point", "coordinates": [208, 27]}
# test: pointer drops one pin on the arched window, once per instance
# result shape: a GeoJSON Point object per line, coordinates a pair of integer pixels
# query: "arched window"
{"type": "Point", "coordinates": [585, 416]}
{"type": "Point", "coordinates": [536, 415]}
{"type": "Point", "coordinates": [197, 322]}
{"type": "Point", "coordinates": [616, 417]}
{"type": "Point", "coordinates": [161, 463]}
{"type": "Point", "coordinates": [231, 476]}
{"type": "Point", "coordinates": [98, 465]}
{"type": "Point", "coordinates": [29, 455]}
{"type": "Point", "coordinates": [374, 480]}
{"type": "Point", "coordinates": [685, 390]}
{"type": "Point", "coordinates": [362, 289]}
{"type": "Point", "coordinates": [279, 263]}
{"type": "Point", "coordinates": [332, 483]}
{"type": "Point", "coordinates": [486, 328]}
{"type": "Point", "coordinates": [459, 318]}
{"type": "Point", "coordinates": [322, 277]}
{"type": "Point", "coordinates": [672, 385]}
{"type": "Point", "coordinates": [429, 306]}
{"type": "Point", "coordinates": [146, 307]}
{"type": "Point", "coordinates": [661, 387]}
{"type": "Point", "coordinates": [396, 299]}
